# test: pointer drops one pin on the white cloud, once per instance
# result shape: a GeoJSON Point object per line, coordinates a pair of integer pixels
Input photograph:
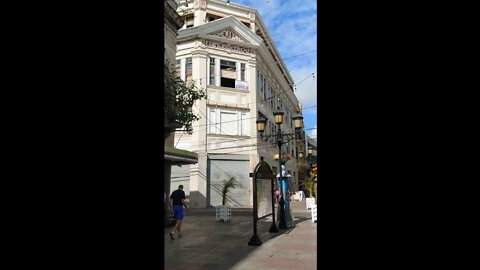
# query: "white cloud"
{"type": "Point", "coordinates": [313, 133]}
{"type": "Point", "coordinates": [292, 25]}
{"type": "Point", "coordinates": [307, 90]}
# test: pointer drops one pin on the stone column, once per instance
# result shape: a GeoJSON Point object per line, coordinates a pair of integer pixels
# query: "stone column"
{"type": "Point", "coordinates": [217, 71]}
{"type": "Point", "coordinates": [238, 67]}
{"type": "Point", "coordinates": [198, 172]}
{"type": "Point", "coordinates": [251, 77]}
{"type": "Point", "coordinates": [200, 12]}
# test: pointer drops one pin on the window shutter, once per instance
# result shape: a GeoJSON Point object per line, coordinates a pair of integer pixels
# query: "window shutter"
{"type": "Point", "coordinates": [213, 120]}
{"type": "Point", "coordinates": [244, 124]}
{"type": "Point", "coordinates": [229, 74]}
{"type": "Point", "coordinates": [228, 123]}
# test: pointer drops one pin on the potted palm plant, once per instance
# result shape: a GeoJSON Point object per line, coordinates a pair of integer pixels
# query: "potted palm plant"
{"type": "Point", "coordinates": [224, 212]}
{"type": "Point", "coordinates": [310, 186]}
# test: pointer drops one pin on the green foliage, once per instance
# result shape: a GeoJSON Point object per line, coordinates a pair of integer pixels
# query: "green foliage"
{"type": "Point", "coordinates": [309, 184]}
{"type": "Point", "coordinates": [227, 186]}
{"type": "Point", "coordinates": [179, 99]}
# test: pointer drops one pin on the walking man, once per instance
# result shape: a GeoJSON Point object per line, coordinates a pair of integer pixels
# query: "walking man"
{"type": "Point", "coordinates": [177, 199]}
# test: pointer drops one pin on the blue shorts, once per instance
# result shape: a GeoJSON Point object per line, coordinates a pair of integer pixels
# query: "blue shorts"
{"type": "Point", "coordinates": [178, 212]}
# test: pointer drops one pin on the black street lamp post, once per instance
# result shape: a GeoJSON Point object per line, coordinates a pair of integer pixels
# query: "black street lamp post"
{"type": "Point", "coordinates": [282, 159]}
{"type": "Point", "coordinates": [309, 158]}
{"type": "Point", "coordinates": [280, 138]}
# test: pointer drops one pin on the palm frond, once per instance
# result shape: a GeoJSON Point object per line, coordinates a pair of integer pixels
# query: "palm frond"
{"type": "Point", "coordinates": [227, 186]}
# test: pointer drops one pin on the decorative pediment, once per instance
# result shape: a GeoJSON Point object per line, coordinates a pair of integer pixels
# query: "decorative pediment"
{"type": "Point", "coordinates": [228, 34]}
{"type": "Point", "coordinates": [225, 30]}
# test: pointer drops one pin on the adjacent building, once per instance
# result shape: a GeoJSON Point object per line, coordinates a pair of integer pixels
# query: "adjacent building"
{"type": "Point", "coordinates": [172, 155]}
{"type": "Point", "coordinates": [225, 49]}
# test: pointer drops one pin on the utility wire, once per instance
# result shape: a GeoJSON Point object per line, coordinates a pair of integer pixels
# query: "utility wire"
{"type": "Point", "coordinates": [234, 140]}
{"type": "Point", "coordinates": [179, 139]}
{"type": "Point", "coordinates": [313, 74]}
{"type": "Point", "coordinates": [213, 123]}
{"type": "Point", "coordinates": [239, 139]}
{"type": "Point", "coordinates": [247, 104]}
{"type": "Point", "coordinates": [298, 55]}
{"type": "Point", "coordinates": [206, 78]}
{"type": "Point", "coordinates": [306, 108]}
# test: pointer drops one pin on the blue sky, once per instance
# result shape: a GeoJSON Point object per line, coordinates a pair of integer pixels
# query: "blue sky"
{"type": "Point", "coordinates": [292, 24]}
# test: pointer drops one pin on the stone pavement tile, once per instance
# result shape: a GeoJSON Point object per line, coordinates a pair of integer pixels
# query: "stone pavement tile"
{"type": "Point", "coordinates": [286, 263]}
{"type": "Point", "coordinates": [296, 247]}
{"type": "Point", "coordinates": [207, 244]}
{"type": "Point", "coordinates": [279, 254]}
{"type": "Point", "coordinates": [278, 263]}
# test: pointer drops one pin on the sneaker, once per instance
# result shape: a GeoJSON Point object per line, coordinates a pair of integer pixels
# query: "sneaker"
{"type": "Point", "coordinates": [171, 236]}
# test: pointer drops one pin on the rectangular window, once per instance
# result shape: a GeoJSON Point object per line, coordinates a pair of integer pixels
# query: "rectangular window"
{"type": "Point", "coordinates": [189, 22]}
{"type": "Point", "coordinates": [177, 67]}
{"type": "Point", "coordinates": [243, 125]}
{"type": "Point", "coordinates": [261, 85]}
{"type": "Point", "coordinates": [188, 69]}
{"type": "Point", "coordinates": [286, 118]}
{"type": "Point", "coordinates": [242, 72]}
{"type": "Point", "coordinates": [228, 72]}
{"type": "Point", "coordinates": [265, 87]}
{"type": "Point", "coordinates": [212, 121]}
{"type": "Point", "coordinates": [271, 98]}
{"type": "Point", "coordinates": [212, 71]}
{"type": "Point", "coordinates": [258, 81]}
{"type": "Point", "coordinates": [228, 123]}
{"type": "Point", "coordinates": [211, 18]}
{"type": "Point", "coordinates": [290, 120]}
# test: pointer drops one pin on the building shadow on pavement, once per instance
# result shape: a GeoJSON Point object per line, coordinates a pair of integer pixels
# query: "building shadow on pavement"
{"type": "Point", "coordinates": [211, 244]}
{"type": "Point", "coordinates": [295, 222]}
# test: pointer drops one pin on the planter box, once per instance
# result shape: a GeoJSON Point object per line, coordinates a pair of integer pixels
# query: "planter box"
{"type": "Point", "coordinates": [310, 202]}
{"type": "Point", "coordinates": [223, 212]}
{"type": "Point", "coordinates": [314, 213]}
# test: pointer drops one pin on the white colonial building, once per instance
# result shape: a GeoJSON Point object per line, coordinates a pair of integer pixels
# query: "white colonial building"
{"type": "Point", "coordinates": [225, 49]}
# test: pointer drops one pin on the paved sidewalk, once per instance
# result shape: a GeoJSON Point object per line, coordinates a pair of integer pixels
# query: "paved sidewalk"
{"type": "Point", "coordinates": [207, 244]}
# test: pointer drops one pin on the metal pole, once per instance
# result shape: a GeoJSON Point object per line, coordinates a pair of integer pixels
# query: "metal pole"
{"type": "Point", "coordinates": [281, 203]}
{"type": "Point", "coordinates": [273, 228]}
{"type": "Point", "coordinates": [255, 240]}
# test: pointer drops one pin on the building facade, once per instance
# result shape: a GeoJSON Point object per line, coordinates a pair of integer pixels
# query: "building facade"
{"type": "Point", "coordinates": [225, 49]}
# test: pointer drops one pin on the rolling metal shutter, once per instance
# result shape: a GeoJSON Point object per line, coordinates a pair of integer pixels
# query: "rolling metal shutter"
{"type": "Point", "coordinates": [223, 169]}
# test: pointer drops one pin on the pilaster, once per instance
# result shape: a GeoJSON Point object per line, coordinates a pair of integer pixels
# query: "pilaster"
{"type": "Point", "coordinates": [251, 77]}
{"type": "Point", "coordinates": [217, 71]}
{"type": "Point", "coordinates": [198, 172]}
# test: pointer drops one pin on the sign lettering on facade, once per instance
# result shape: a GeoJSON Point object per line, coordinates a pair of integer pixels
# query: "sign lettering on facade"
{"type": "Point", "coordinates": [226, 46]}
{"type": "Point", "coordinates": [241, 85]}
